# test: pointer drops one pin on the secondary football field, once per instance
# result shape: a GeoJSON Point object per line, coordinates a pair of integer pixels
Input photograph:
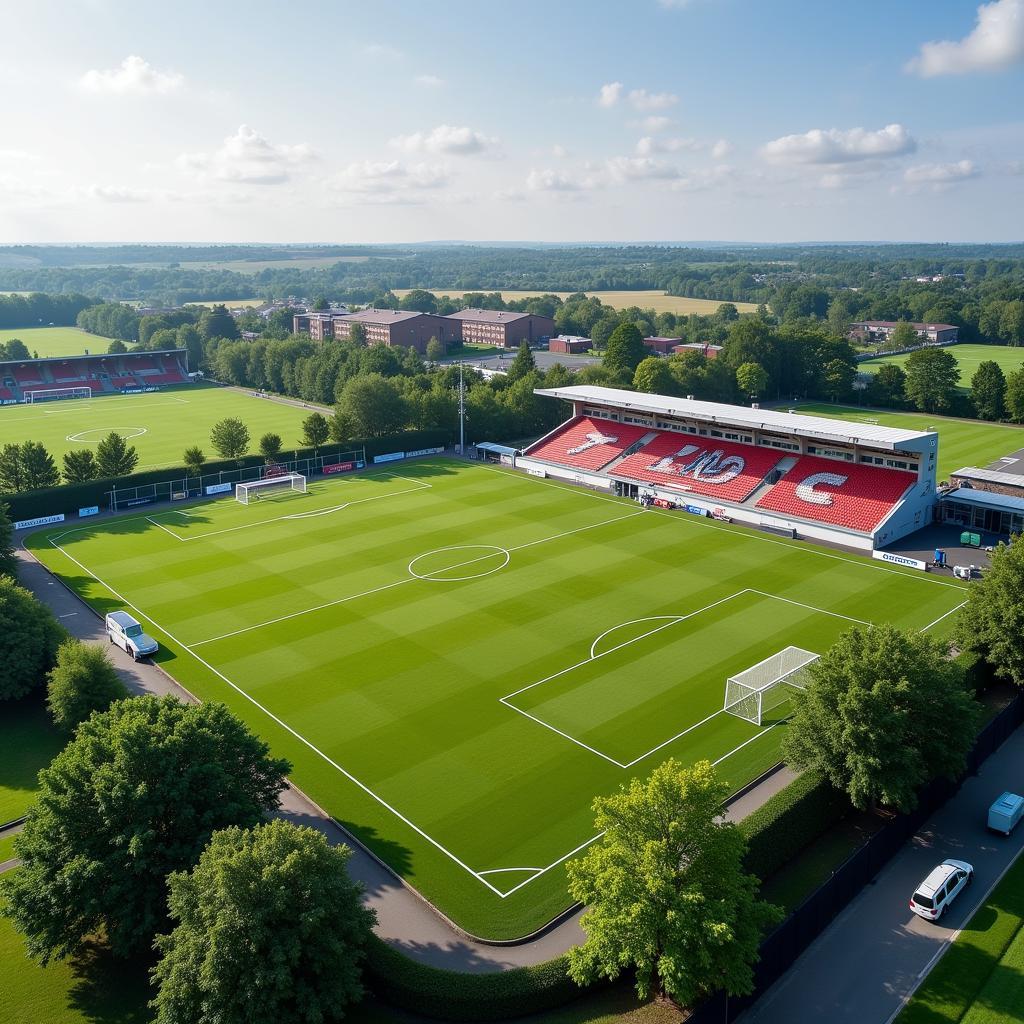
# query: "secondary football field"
{"type": "Point", "coordinates": [57, 341]}
{"type": "Point", "coordinates": [161, 424]}
{"type": "Point", "coordinates": [458, 658]}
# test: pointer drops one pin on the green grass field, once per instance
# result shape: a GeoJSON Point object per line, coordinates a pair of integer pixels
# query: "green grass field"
{"type": "Point", "coordinates": [161, 425]}
{"type": "Point", "coordinates": [961, 442]}
{"type": "Point", "coordinates": [29, 741]}
{"type": "Point", "coordinates": [57, 341]}
{"type": "Point", "coordinates": [969, 358]}
{"type": "Point", "coordinates": [457, 659]}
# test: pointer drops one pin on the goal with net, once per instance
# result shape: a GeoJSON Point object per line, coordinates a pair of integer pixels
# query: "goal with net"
{"type": "Point", "coordinates": [255, 489]}
{"type": "Point", "coordinates": [54, 394]}
{"type": "Point", "coordinates": [763, 687]}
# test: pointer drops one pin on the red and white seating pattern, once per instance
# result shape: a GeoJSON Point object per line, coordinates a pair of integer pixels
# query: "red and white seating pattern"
{"type": "Point", "coordinates": [586, 443]}
{"type": "Point", "coordinates": [847, 494]}
{"type": "Point", "coordinates": [702, 465]}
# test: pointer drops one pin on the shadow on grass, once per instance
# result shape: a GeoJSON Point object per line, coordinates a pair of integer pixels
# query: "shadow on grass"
{"type": "Point", "coordinates": [108, 989]}
{"type": "Point", "coordinates": [29, 742]}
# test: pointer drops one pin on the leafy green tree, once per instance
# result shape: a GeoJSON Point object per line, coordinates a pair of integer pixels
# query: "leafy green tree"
{"type": "Point", "coordinates": [654, 376]}
{"type": "Point", "coordinates": [624, 349]}
{"type": "Point", "coordinates": [80, 466]}
{"type": "Point", "coordinates": [315, 431]}
{"type": "Point", "coordinates": [888, 385]}
{"type": "Point", "coordinates": [523, 364]}
{"type": "Point", "coordinates": [419, 300]}
{"type": "Point", "coordinates": [230, 438]}
{"type": "Point", "coordinates": [666, 892]}
{"type": "Point", "coordinates": [1014, 401]}
{"type": "Point", "coordinates": [38, 466]}
{"type": "Point", "coordinates": [884, 712]}
{"type": "Point", "coordinates": [16, 349]}
{"type": "Point", "coordinates": [8, 561]}
{"type": "Point", "coordinates": [321, 304]}
{"type": "Point", "coordinates": [269, 929]}
{"type": "Point", "coordinates": [372, 405]}
{"type": "Point", "coordinates": [837, 378]}
{"type": "Point", "coordinates": [992, 621]}
{"type": "Point", "coordinates": [903, 336]}
{"type": "Point", "coordinates": [270, 447]}
{"type": "Point", "coordinates": [1011, 322]}
{"type": "Point", "coordinates": [116, 347]}
{"type": "Point", "coordinates": [341, 426]}
{"type": "Point", "coordinates": [435, 350]}
{"type": "Point", "coordinates": [932, 377]}
{"type": "Point", "coordinates": [135, 795]}
{"type": "Point", "coordinates": [29, 636]}
{"type": "Point", "coordinates": [194, 460]}
{"type": "Point", "coordinates": [115, 457]}
{"type": "Point", "coordinates": [217, 322]}
{"type": "Point", "coordinates": [82, 681]}
{"type": "Point", "coordinates": [752, 379]}
{"type": "Point", "coordinates": [12, 469]}
{"type": "Point", "coordinates": [988, 390]}
{"type": "Point", "coordinates": [357, 334]}
{"type": "Point", "coordinates": [187, 337]}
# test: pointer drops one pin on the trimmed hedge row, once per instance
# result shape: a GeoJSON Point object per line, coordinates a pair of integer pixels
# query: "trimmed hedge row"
{"type": "Point", "coordinates": [790, 820]}
{"type": "Point", "coordinates": [69, 498]}
{"type": "Point", "coordinates": [452, 995]}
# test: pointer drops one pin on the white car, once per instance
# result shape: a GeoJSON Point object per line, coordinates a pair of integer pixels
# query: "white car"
{"type": "Point", "coordinates": [126, 632]}
{"type": "Point", "coordinates": [933, 896]}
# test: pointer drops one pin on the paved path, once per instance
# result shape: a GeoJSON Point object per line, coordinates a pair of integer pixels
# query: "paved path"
{"type": "Point", "coordinates": [873, 956]}
{"type": "Point", "coordinates": [403, 918]}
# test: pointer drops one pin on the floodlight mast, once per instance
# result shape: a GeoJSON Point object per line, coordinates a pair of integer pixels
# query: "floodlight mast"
{"type": "Point", "coordinates": [462, 413]}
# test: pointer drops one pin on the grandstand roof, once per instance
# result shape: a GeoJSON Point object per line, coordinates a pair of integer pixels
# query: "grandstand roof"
{"type": "Point", "coordinates": [987, 499]}
{"type": "Point", "coordinates": [992, 476]}
{"type": "Point", "coordinates": [93, 355]}
{"type": "Point", "coordinates": [838, 431]}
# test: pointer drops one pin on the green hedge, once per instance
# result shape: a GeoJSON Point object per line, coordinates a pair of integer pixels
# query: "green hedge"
{"type": "Point", "coordinates": [69, 498]}
{"type": "Point", "coordinates": [978, 674]}
{"type": "Point", "coordinates": [453, 995]}
{"type": "Point", "coordinates": [790, 820]}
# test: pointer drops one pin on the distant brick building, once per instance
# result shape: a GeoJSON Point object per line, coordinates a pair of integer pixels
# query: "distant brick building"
{"type": "Point", "coordinates": [383, 327]}
{"type": "Point", "coordinates": [501, 328]}
{"type": "Point", "coordinates": [876, 331]}
{"type": "Point", "coordinates": [661, 345]}
{"type": "Point", "coordinates": [568, 344]}
{"type": "Point", "coordinates": [707, 350]}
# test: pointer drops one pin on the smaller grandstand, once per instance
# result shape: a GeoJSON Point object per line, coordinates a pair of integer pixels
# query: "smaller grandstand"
{"type": "Point", "coordinates": [856, 484]}
{"type": "Point", "coordinates": [33, 380]}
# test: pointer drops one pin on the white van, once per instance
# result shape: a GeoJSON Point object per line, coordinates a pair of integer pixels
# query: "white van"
{"type": "Point", "coordinates": [126, 632]}
{"type": "Point", "coordinates": [1005, 813]}
{"type": "Point", "coordinates": [933, 896]}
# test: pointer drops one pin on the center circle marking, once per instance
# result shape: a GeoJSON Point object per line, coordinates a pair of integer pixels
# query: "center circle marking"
{"type": "Point", "coordinates": [80, 437]}
{"type": "Point", "coordinates": [484, 552]}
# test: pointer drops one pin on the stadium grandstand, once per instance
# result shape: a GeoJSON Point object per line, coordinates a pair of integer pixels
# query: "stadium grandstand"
{"type": "Point", "coordinates": [36, 380]}
{"type": "Point", "coordinates": [856, 484]}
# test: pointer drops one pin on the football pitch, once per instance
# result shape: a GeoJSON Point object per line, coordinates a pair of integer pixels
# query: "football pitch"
{"type": "Point", "coordinates": [160, 424]}
{"type": "Point", "coordinates": [458, 658]}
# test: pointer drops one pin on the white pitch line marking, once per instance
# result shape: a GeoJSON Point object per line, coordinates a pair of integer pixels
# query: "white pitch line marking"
{"type": "Point", "coordinates": [946, 615]}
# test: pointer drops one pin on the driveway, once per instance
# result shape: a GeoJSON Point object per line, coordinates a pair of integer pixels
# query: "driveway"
{"type": "Point", "coordinates": [871, 958]}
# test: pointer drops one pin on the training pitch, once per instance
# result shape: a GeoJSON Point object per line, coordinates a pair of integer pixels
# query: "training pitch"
{"type": "Point", "coordinates": [160, 424]}
{"type": "Point", "coordinates": [458, 658]}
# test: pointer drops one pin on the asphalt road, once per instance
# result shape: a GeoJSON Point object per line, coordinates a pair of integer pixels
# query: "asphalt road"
{"type": "Point", "coordinates": [871, 958]}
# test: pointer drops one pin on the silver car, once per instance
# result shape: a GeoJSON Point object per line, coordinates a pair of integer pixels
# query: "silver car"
{"type": "Point", "coordinates": [128, 634]}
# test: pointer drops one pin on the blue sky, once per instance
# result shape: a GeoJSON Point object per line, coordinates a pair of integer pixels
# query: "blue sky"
{"type": "Point", "coordinates": [402, 121]}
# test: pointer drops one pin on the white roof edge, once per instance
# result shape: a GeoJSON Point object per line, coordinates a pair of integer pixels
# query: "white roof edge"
{"type": "Point", "coordinates": [846, 431]}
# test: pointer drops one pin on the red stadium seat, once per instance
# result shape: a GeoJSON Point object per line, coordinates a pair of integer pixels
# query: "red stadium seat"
{"type": "Point", "coordinates": [846, 494]}
{"type": "Point", "coordinates": [701, 465]}
{"type": "Point", "coordinates": [586, 443]}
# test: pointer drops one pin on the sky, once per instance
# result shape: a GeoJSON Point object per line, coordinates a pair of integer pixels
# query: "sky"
{"type": "Point", "coordinates": [542, 120]}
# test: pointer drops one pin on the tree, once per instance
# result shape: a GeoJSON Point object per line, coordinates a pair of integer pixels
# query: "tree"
{"type": "Point", "coordinates": [357, 333]}
{"type": "Point", "coordinates": [12, 470]}
{"type": "Point", "coordinates": [992, 621]}
{"type": "Point", "coordinates": [419, 300]}
{"type": "Point", "coordinates": [373, 405]}
{"type": "Point", "coordinates": [884, 712]}
{"type": "Point", "coordinates": [837, 378]}
{"type": "Point", "coordinates": [8, 561]}
{"type": "Point", "coordinates": [194, 460]}
{"type": "Point", "coordinates": [321, 304]}
{"type": "Point", "coordinates": [1014, 399]}
{"type": "Point", "coordinates": [217, 322]}
{"type": "Point", "coordinates": [932, 376]}
{"type": "Point", "coordinates": [16, 349]}
{"type": "Point", "coordinates": [624, 349]}
{"type": "Point", "coordinates": [116, 347]}
{"type": "Point", "coordinates": [29, 636]}
{"type": "Point", "coordinates": [79, 466]}
{"type": "Point", "coordinates": [82, 681]}
{"type": "Point", "coordinates": [888, 385]}
{"type": "Point", "coordinates": [270, 447]}
{"type": "Point", "coordinates": [988, 390]}
{"type": "Point", "coordinates": [523, 364]}
{"type": "Point", "coordinates": [37, 466]}
{"type": "Point", "coordinates": [115, 457]}
{"type": "Point", "coordinates": [230, 438]}
{"type": "Point", "coordinates": [435, 350]}
{"type": "Point", "coordinates": [135, 795]}
{"type": "Point", "coordinates": [269, 929]}
{"type": "Point", "coordinates": [341, 426]}
{"type": "Point", "coordinates": [188, 338]}
{"type": "Point", "coordinates": [654, 376]}
{"type": "Point", "coordinates": [315, 431]}
{"type": "Point", "coordinates": [752, 379]}
{"type": "Point", "coordinates": [666, 892]}
{"type": "Point", "coordinates": [903, 336]}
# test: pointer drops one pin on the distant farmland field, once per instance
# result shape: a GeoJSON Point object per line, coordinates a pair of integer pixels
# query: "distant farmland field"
{"type": "Point", "coordinates": [57, 341]}
{"type": "Point", "coordinates": [658, 301]}
{"type": "Point", "coordinates": [969, 357]}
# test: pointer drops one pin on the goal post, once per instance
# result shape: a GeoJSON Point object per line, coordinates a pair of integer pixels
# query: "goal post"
{"type": "Point", "coordinates": [751, 694]}
{"type": "Point", "coordinates": [244, 492]}
{"type": "Point", "coordinates": [54, 394]}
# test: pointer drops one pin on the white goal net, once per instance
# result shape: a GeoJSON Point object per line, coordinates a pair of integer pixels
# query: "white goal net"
{"type": "Point", "coordinates": [54, 394]}
{"type": "Point", "coordinates": [256, 489]}
{"type": "Point", "coordinates": [763, 687]}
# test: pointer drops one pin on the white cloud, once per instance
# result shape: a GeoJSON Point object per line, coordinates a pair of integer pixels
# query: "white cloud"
{"type": "Point", "coordinates": [429, 81]}
{"type": "Point", "coordinates": [835, 146]}
{"type": "Point", "coordinates": [644, 100]}
{"type": "Point", "coordinates": [389, 176]}
{"type": "Point", "coordinates": [559, 152]}
{"type": "Point", "coordinates": [549, 180]}
{"type": "Point", "coordinates": [118, 194]}
{"type": "Point", "coordinates": [721, 149]}
{"type": "Point", "coordinates": [649, 144]}
{"type": "Point", "coordinates": [940, 176]}
{"type": "Point", "coordinates": [446, 138]}
{"type": "Point", "coordinates": [134, 77]}
{"type": "Point", "coordinates": [640, 168]}
{"type": "Point", "coordinates": [9, 156]}
{"type": "Point", "coordinates": [248, 158]}
{"type": "Point", "coordinates": [997, 41]}
{"type": "Point", "coordinates": [609, 94]}
{"type": "Point", "coordinates": [655, 123]}
{"type": "Point", "coordinates": [701, 181]}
